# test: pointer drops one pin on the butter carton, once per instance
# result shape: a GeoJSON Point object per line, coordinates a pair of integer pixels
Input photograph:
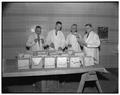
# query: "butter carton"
{"type": "Point", "coordinates": [49, 62]}
{"type": "Point", "coordinates": [80, 54]}
{"type": "Point", "coordinates": [37, 62]}
{"type": "Point", "coordinates": [23, 63]}
{"type": "Point", "coordinates": [88, 61]}
{"type": "Point", "coordinates": [76, 62]}
{"type": "Point", "coordinates": [62, 62]}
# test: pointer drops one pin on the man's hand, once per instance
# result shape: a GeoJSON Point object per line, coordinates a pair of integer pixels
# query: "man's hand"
{"type": "Point", "coordinates": [52, 45]}
{"type": "Point", "coordinates": [85, 44]}
{"type": "Point", "coordinates": [60, 48]}
{"type": "Point", "coordinates": [82, 42]}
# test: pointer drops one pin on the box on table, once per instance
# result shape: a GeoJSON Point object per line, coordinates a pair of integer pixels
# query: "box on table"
{"type": "Point", "coordinates": [23, 55]}
{"type": "Point", "coordinates": [54, 54]}
{"type": "Point", "coordinates": [23, 63]}
{"type": "Point", "coordinates": [42, 53]}
{"type": "Point", "coordinates": [88, 61]}
{"type": "Point", "coordinates": [64, 54]}
{"type": "Point", "coordinates": [49, 62]}
{"type": "Point", "coordinates": [62, 61]}
{"type": "Point", "coordinates": [70, 52]}
{"type": "Point", "coordinates": [80, 54]}
{"type": "Point", "coordinates": [37, 61]}
{"type": "Point", "coordinates": [76, 61]}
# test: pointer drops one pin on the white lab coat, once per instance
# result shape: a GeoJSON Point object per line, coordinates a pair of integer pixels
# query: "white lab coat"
{"type": "Point", "coordinates": [93, 42]}
{"type": "Point", "coordinates": [72, 40]}
{"type": "Point", "coordinates": [58, 40]}
{"type": "Point", "coordinates": [31, 43]}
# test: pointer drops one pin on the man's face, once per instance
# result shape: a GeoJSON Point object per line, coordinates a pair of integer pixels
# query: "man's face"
{"type": "Point", "coordinates": [88, 29]}
{"type": "Point", "coordinates": [73, 28]}
{"type": "Point", "coordinates": [58, 27]}
{"type": "Point", "coordinates": [38, 30]}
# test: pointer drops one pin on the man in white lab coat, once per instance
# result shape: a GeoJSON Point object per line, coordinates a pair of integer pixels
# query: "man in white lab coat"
{"type": "Point", "coordinates": [72, 39]}
{"type": "Point", "coordinates": [36, 41]}
{"type": "Point", "coordinates": [91, 43]}
{"type": "Point", "coordinates": [55, 38]}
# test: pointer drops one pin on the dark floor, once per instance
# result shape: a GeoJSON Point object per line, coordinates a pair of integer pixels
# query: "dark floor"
{"type": "Point", "coordinates": [68, 83]}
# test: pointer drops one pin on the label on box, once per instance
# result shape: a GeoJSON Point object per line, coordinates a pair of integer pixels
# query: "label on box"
{"type": "Point", "coordinates": [62, 62]}
{"type": "Point", "coordinates": [36, 60]}
{"type": "Point", "coordinates": [49, 62]}
{"type": "Point", "coordinates": [23, 63]}
{"type": "Point", "coordinates": [88, 61]}
{"type": "Point", "coordinates": [24, 67]}
{"type": "Point", "coordinates": [76, 61]}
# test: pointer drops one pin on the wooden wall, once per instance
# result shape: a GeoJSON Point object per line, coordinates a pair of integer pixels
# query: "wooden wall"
{"type": "Point", "coordinates": [19, 18]}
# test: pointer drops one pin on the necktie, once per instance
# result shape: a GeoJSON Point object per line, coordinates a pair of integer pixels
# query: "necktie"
{"type": "Point", "coordinates": [87, 35]}
{"type": "Point", "coordinates": [56, 32]}
{"type": "Point", "coordinates": [38, 39]}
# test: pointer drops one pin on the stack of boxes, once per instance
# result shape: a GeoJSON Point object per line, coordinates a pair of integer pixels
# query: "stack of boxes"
{"type": "Point", "coordinates": [54, 59]}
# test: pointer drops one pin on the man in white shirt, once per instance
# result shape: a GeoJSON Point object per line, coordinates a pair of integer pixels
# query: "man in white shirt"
{"type": "Point", "coordinates": [55, 38]}
{"type": "Point", "coordinates": [91, 43]}
{"type": "Point", "coordinates": [72, 39]}
{"type": "Point", "coordinates": [36, 41]}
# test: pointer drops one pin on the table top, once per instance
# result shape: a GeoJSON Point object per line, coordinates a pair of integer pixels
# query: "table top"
{"type": "Point", "coordinates": [10, 70]}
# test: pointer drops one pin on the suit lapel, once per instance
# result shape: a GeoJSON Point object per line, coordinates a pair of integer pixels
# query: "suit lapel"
{"type": "Point", "coordinates": [89, 37]}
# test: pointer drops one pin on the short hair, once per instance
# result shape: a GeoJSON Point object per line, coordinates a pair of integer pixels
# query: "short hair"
{"type": "Point", "coordinates": [38, 27]}
{"type": "Point", "coordinates": [90, 25]}
{"type": "Point", "coordinates": [58, 22]}
{"type": "Point", "coordinates": [74, 25]}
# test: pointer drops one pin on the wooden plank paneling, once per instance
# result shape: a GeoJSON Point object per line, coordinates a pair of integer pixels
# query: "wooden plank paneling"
{"type": "Point", "coordinates": [19, 18]}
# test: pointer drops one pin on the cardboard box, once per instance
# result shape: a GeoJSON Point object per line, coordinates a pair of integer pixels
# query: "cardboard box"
{"type": "Point", "coordinates": [49, 62]}
{"type": "Point", "coordinates": [62, 62]}
{"type": "Point", "coordinates": [76, 61]}
{"type": "Point", "coordinates": [88, 61]}
{"type": "Point", "coordinates": [64, 54]}
{"type": "Point", "coordinates": [23, 63]}
{"type": "Point", "coordinates": [37, 62]}
{"type": "Point", "coordinates": [42, 53]}
{"type": "Point", "coordinates": [27, 55]}
{"type": "Point", "coordinates": [70, 52]}
{"type": "Point", "coordinates": [80, 54]}
{"type": "Point", "coordinates": [23, 55]}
